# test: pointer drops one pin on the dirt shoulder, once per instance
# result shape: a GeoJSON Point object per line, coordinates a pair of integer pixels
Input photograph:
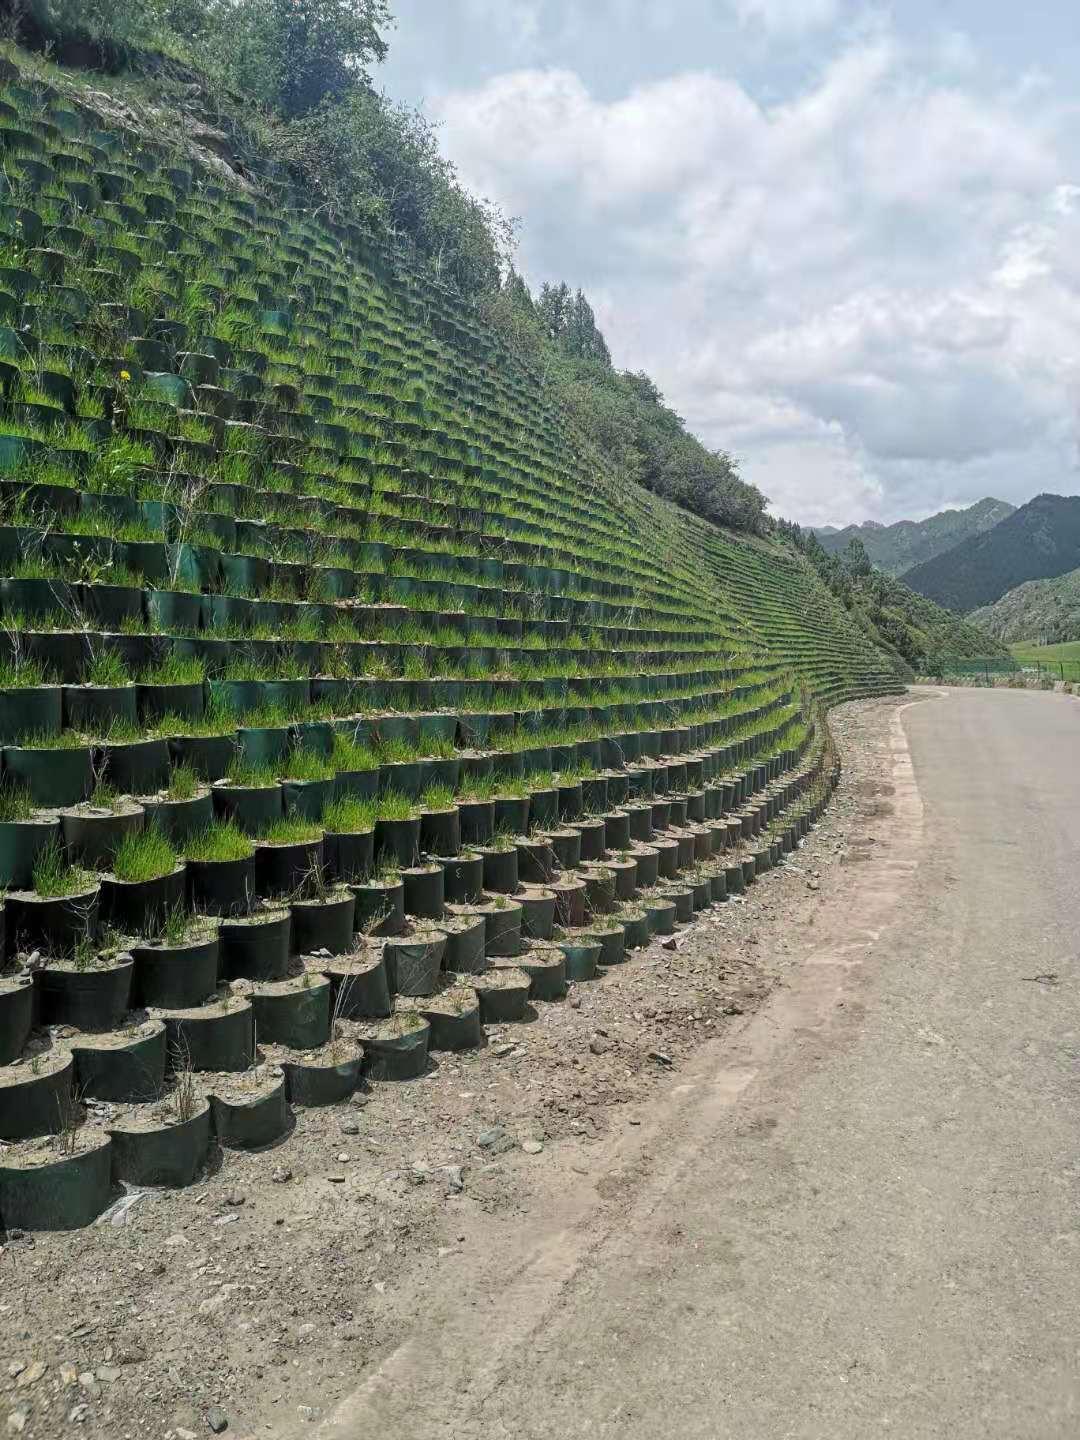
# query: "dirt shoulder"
{"type": "Point", "coordinates": [262, 1295]}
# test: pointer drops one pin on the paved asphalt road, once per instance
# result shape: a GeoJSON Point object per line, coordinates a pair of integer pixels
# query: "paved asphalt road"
{"type": "Point", "coordinates": [864, 1221]}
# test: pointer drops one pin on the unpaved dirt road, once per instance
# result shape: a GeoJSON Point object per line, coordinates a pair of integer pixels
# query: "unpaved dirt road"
{"type": "Point", "coordinates": [855, 1215]}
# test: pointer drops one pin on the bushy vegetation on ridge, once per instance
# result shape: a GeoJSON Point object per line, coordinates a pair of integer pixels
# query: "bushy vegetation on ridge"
{"type": "Point", "coordinates": [905, 624]}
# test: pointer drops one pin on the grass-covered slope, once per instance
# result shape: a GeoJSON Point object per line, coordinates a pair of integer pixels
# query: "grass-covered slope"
{"type": "Point", "coordinates": [1029, 652]}
{"type": "Point", "coordinates": [1040, 539]}
{"type": "Point", "coordinates": [316, 422]}
{"type": "Point", "coordinates": [914, 628]}
{"type": "Point", "coordinates": [897, 548]}
{"type": "Point", "coordinates": [347, 699]}
{"type": "Point", "coordinates": [1039, 610]}
{"type": "Point", "coordinates": [914, 631]}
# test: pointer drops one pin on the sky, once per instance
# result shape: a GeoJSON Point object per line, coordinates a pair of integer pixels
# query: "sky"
{"type": "Point", "coordinates": [842, 237]}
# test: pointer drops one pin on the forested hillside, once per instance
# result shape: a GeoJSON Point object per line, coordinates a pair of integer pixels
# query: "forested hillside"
{"type": "Point", "coordinates": [907, 625]}
{"type": "Point", "coordinates": [897, 548]}
{"type": "Point", "coordinates": [1040, 539]}
{"type": "Point", "coordinates": [1045, 611]}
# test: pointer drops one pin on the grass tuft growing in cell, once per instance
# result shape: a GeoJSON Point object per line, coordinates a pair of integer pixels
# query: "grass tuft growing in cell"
{"type": "Point", "coordinates": [219, 842]}
{"type": "Point", "coordinates": [21, 675]}
{"type": "Point", "coordinates": [350, 816]}
{"type": "Point", "coordinates": [183, 783]}
{"type": "Point", "coordinates": [54, 876]}
{"type": "Point", "coordinates": [292, 830]}
{"type": "Point", "coordinates": [300, 764]}
{"type": "Point", "coordinates": [106, 668]}
{"type": "Point", "coordinates": [144, 856]}
{"type": "Point", "coordinates": [15, 803]}
{"type": "Point", "coordinates": [394, 806]}
{"type": "Point", "coordinates": [175, 669]}
{"type": "Point", "coordinates": [437, 797]}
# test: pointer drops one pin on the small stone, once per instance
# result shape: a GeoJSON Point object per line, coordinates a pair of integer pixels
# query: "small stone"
{"type": "Point", "coordinates": [108, 1373]}
{"type": "Point", "coordinates": [68, 1374]}
{"type": "Point", "coordinates": [281, 1176]}
{"type": "Point", "coordinates": [307, 1412]}
{"type": "Point", "coordinates": [336, 1178]}
{"type": "Point", "coordinates": [16, 1420]}
{"type": "Point", "coordinates": [350, 1128]}
{"type": "Point", "coordinates": [660, 1057]}
{"type": "Point", "coordinates": [532, 1147]}
{"type": "Point", "coordinates": [176, 1240]}
{"type": "Point", "coordinates": [78, 1413]}
{"type": "Point", "coordinates": [575, 1002]}
{"type": "Point", "coordinates": [598, 1045]}
{"type": "Point", "coordinates": [16, 1368]}
{"type": "Point", "coordinates": [502, 1051]}
{"type": "Point", "coordinates": [670, 942]}
{"type": "Point", "coordinates": [343, 1158]}
{"type": "Point", "coordinates": [492, 1139]}
{"type": "Point", "coordinates": [235, 1198]}
{"type": "Point", "coordinates": [455, 1182]}
{"type": "Point", "coordinates": [217, 1419]}
{"type": "Point", "coordinates": [182, 1433]}
{"type": "Point", "coordinates": [88, 1381]}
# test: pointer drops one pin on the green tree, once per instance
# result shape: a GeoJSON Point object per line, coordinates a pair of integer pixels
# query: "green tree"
{"type": "Point", "coordinates": [369, 159]}
{"type": "Point", "coordinates": [855, 559]}
{"type": "Point", "coordinates": [293, 55]}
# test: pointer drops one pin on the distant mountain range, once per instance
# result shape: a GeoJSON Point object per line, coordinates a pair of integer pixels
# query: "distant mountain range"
{"type": "Point", "coordinates": [898, 548]}
{"type": "Point", "coordinates": [1040, 540]}
{"type": "Point", "coordinates": [1043, 610]}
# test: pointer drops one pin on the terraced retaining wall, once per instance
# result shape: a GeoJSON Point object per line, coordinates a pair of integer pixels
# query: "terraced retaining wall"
{"type": "Point", "coordinates": [343, 706]}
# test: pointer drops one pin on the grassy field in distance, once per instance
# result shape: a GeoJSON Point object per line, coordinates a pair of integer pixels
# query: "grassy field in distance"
{"type": "Point", "coordinates": [1028, 653]}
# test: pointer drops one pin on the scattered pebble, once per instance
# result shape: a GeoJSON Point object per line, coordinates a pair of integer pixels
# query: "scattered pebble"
{"type": "Point", "coordinates": [496, 1140]}
{"type": "Point", "coordinates": [217, 1419]}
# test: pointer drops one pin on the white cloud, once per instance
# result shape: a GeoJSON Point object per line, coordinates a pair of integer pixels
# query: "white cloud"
{"type": "Point", "coordinates": [517, 21]}
{"type": "Point", "coordinates": [870, 291]}
{"type": "Point", "coordinates": [787, 16]}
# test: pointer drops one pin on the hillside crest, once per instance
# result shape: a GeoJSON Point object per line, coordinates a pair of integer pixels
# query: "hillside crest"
{"type": "Point", "coordinates": [899, 547]}
{"type": "Point", "coordinates": [1041, 539]}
